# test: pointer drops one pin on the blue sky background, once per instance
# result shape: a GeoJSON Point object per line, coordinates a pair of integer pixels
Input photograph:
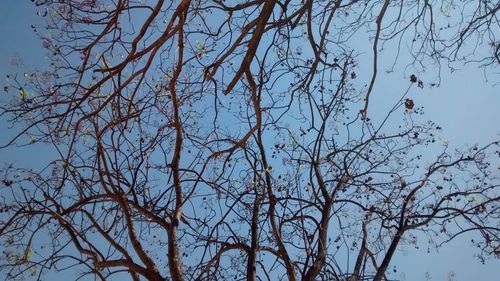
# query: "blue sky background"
{"type": "Point", "coordinates": [465, 105]}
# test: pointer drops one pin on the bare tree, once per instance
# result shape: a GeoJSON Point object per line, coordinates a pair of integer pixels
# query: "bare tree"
{"type": "Point", "coordinates": [207, 140]}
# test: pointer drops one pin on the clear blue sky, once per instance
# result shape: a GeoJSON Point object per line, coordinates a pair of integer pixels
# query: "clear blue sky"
{"type": "Point", "coordinates": [465, 105]}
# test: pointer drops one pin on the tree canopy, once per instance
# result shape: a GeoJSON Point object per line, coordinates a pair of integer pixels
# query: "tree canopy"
{"type": "Point", "coordinates": [217, 140]}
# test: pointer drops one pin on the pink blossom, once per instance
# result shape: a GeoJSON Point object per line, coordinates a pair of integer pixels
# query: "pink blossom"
{"type": "Point", "coordinates": [46, 42]}
{"type": "Point", "coordinates": [286, 161]}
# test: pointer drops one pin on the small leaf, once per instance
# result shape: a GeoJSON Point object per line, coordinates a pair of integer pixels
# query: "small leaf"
{"type": "Point", "coordinates": [23, 94]}
{"type": "Point", "coordinates": [27, 255]}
